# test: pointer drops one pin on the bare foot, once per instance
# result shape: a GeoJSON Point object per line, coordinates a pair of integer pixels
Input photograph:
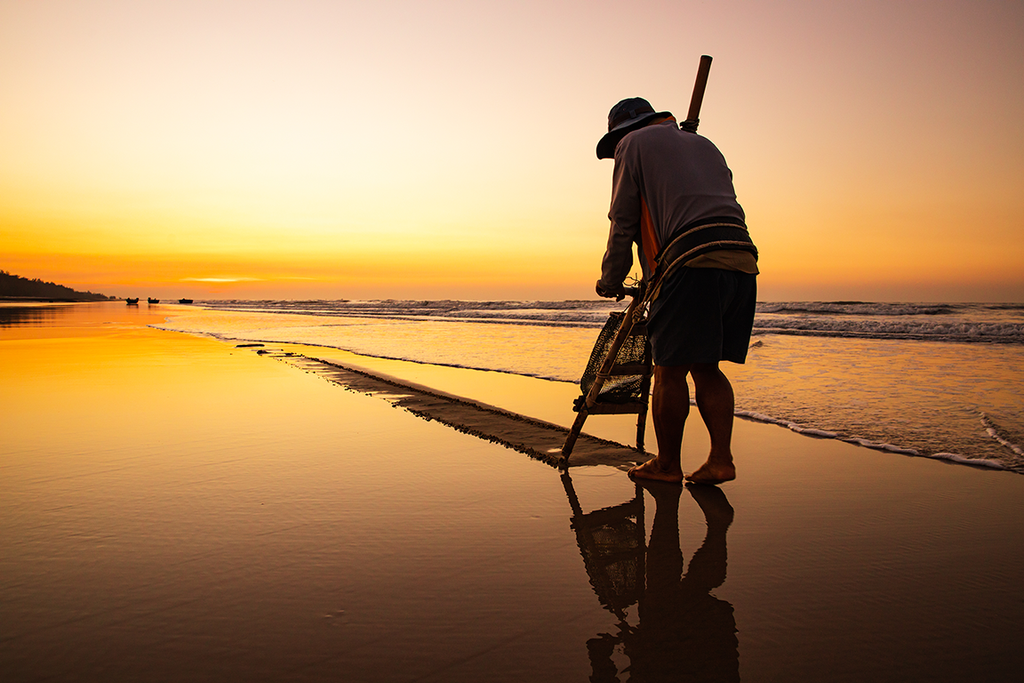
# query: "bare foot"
{"type": "Point", "coordinates": [652, 470]}
{"type": "Point", "coordinates": [712, 474]}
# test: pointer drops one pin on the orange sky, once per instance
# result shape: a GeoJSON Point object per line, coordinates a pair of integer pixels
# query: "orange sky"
{"type": "Point", "coordinates": [445, 149]}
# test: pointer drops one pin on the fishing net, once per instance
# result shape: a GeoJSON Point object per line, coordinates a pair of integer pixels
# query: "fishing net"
{"type": "Point", "coordinates": [611, 541]}
{"type": "Point", "coordinates": [616, 570]}
{"type": "Point", "coordinates": [621, 388]}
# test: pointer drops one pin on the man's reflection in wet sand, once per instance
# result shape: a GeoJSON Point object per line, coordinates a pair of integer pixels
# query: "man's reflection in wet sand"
{"type": "Point", "coordinates": [685, 633]}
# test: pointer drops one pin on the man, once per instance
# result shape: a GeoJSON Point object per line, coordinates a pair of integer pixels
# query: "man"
{"type": "Point", "coordinates": [672, 195]}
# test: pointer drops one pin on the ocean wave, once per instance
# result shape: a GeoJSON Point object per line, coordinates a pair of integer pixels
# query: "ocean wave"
{"type": "Point", "coordinates": [992, 323]}
{"type": "Point", "coordinates": [862, 308]}
{"type": "Point", "coordinates": [571, 312]}
{"type": "Point", "coordinates": [955, 322]}
{"type": "Point", "coordinates": [917, 330]}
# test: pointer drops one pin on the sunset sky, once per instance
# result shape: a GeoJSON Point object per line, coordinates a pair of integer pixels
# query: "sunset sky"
{"type": "Point", "coordinates": [409, 148]}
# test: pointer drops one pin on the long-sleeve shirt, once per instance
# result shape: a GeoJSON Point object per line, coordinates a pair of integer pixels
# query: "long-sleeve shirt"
{"type": "Point", "coordinates": [664, 179]}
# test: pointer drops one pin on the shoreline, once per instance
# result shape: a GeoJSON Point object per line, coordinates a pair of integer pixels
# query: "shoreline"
{"type": "Point", "coordinates": [882, 394]}
{"type": "Point", "coordinates": [371, 365]}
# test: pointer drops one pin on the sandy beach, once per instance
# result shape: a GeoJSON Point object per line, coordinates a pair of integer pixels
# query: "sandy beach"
{"type": "Point", "coordinates": [174, 507]}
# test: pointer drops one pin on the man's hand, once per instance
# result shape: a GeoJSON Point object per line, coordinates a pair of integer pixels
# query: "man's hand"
{"type": "Point", "coordinates": [618, 293]}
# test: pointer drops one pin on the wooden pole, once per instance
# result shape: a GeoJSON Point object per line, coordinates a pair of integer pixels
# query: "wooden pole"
{"type": "Point", "coordinates": [697, 98]}
{"type": "Point", "coordinates": [625, 327]}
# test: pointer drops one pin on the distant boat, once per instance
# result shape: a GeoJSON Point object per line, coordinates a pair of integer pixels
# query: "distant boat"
{"type": "Point", "coordinates": [184, 301]}
{"type": "Point", "coordinates": [132, 302]}
{"type": "Point", "coordinates": [151, 300]}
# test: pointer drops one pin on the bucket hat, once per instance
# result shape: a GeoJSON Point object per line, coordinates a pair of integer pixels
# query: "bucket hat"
{"type": "Point", "coordinates": [625, 117]}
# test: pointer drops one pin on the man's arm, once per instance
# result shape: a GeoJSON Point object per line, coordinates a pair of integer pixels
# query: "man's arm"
{"type": "Point", "coordinates": [625, 224]}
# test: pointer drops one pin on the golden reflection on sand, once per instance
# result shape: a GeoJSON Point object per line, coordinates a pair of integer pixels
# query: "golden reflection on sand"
{"type": "Point", "coordinates": [173, 507]}
{"type": "Point", "coordinates": [173, 504]}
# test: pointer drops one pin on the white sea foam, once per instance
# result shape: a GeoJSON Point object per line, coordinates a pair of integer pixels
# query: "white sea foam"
{"type": "Point", "coordinates": [991, 430]}
{"type": "Point", "coordinates": [879, 446]}
{"type": "Point", "coordinates": [994, 323]}
{"type": "Point", "coordinates": [977, 462]}
{"type": "Point", "coordinates": [759, 417]}
{"type": "Point", "coordinates": [809, 431]}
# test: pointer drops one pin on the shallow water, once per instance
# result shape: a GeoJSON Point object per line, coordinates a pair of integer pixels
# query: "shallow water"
{"type": "Point", "coordinates": [883, 375]}
{"type": "Point", "coordinates": [936, 398]}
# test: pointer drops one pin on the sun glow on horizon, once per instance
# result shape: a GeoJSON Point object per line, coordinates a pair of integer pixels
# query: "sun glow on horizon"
{"type": "Point", "coordinates": [264, 150]}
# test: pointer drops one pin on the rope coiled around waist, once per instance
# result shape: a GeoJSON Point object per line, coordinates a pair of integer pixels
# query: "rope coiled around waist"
{"type": "Point", "coordinates": [695, 240]}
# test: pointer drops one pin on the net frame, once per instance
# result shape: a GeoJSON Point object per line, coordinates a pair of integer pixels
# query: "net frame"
{"type": "Point", "coordinates": [634, 351]}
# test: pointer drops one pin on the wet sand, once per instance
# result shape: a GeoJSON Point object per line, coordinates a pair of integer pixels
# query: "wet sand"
{"type": "Point", "coordinates": [175, 508]}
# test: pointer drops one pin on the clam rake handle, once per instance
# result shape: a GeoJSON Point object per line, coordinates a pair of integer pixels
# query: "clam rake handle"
{"type": "Point", "coordinates": [606, 365]}
{"type": "Point", "coordinates": [703, 69]}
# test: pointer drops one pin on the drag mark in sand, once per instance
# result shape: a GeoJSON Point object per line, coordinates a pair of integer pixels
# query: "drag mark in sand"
{"type": "Point", "coordinates": [540, 440]}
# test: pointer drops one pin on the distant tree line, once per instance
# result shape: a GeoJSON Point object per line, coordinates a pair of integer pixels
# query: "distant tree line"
{"type": "Point", "coordinates": [17, 287]}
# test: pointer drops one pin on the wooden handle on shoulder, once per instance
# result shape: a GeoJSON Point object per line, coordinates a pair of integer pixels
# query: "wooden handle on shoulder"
{"type": "Point", "coordinates": [703, 69]}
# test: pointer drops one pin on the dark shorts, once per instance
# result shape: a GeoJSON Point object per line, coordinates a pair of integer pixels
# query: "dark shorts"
{"type": "Point", "coordinates": [703, 315]}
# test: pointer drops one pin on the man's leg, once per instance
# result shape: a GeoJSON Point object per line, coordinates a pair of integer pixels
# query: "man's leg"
{"type": "Point", "coordinates": [670, 406]}
{"type": "Point", "coordinates": [716, 404]}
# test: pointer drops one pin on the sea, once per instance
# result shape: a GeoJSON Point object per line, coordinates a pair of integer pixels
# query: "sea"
{"type": "Point", "coordinates": [935, 380]}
